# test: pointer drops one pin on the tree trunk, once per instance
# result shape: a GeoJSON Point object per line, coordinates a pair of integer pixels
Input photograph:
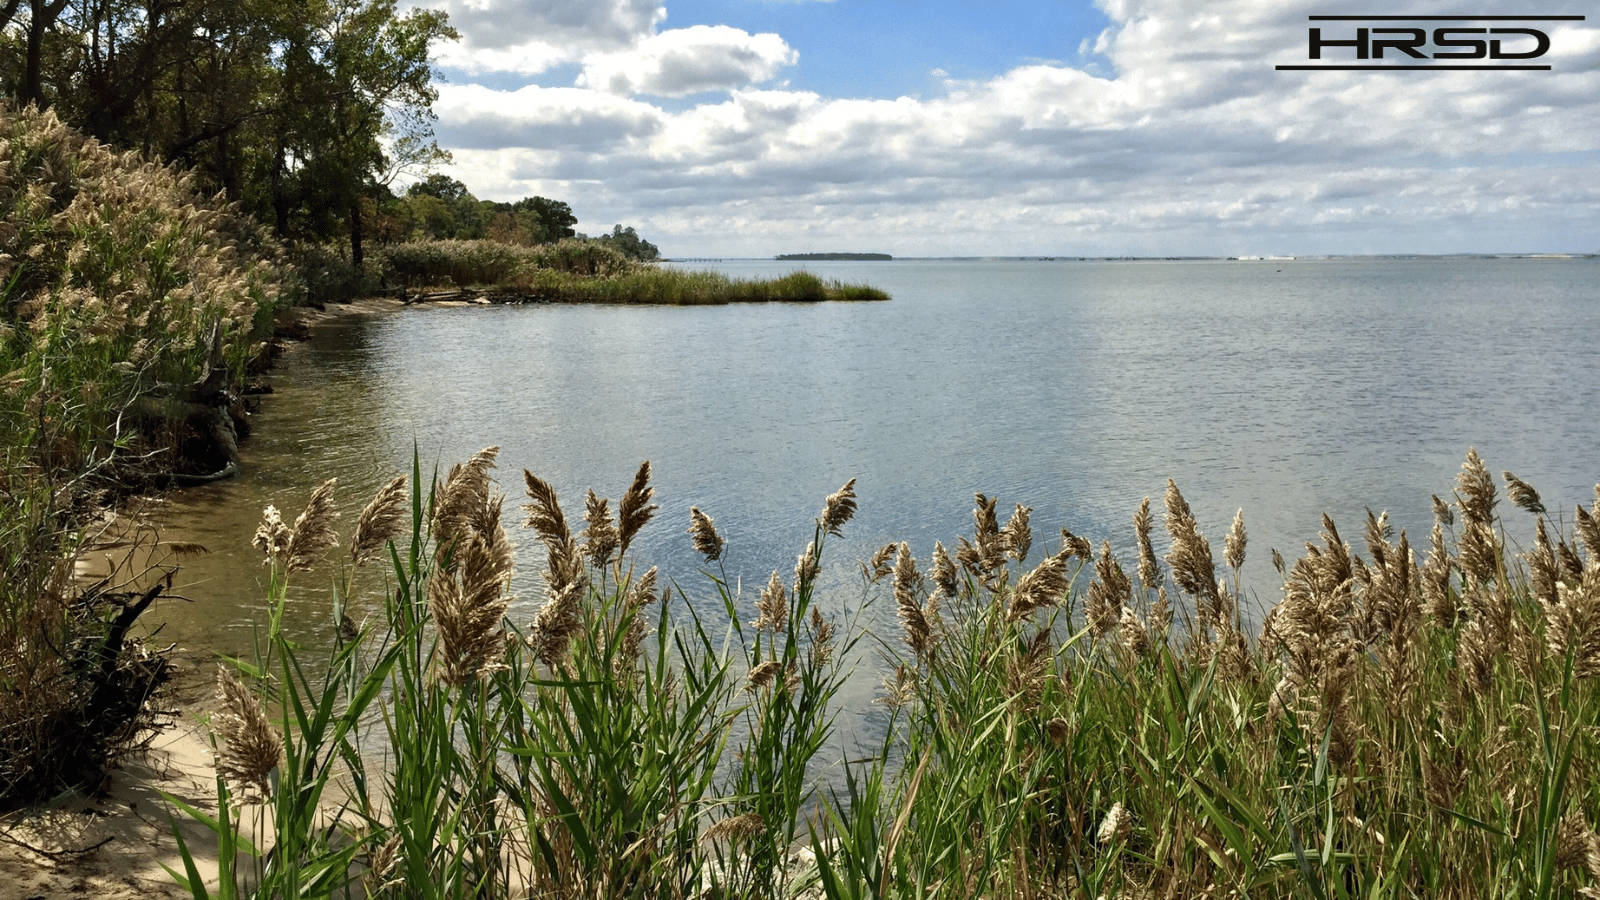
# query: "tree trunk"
{"type": "Point", "coordinates": [43, 15]}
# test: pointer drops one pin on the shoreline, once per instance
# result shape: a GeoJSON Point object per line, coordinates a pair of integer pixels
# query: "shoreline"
{"type": "Point", "coordinates": [114, 843]}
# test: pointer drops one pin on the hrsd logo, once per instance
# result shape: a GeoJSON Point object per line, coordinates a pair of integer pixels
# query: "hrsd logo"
{"type": "Point", "coordinates": [1402, 44]}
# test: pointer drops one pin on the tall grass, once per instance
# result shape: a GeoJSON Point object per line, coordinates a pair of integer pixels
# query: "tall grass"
{"type": "Point", "coordinates": [584, 753]}
{"type": "Point", "coordinates": [120, 291]}
{"type": "Point", "coordinates": [1058, 726]}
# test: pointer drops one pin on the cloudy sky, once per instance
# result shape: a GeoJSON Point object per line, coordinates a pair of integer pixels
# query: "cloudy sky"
{"type": "Point", "coordinates": [1020, 127]}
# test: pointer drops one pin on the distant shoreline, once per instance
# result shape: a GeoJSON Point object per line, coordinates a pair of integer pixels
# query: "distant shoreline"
{"type": "Point", "coordinates": [852, 257]}
{"type": "Point", "coordinates": [825, 257]}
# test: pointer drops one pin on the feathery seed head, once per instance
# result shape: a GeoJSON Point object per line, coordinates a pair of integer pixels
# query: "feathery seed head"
{"type": "Point", "coordinates": [1135, 636]}
{"type": "Point", "coordinates": [272, 536]}
{"type": "Point", "coordinates": [460, 501]}
{"type": "Point", "coordinates": [544, 513]}
{"type": "Point", "coordinates": [251, 747]}
{"type": "Point", "coordinates": [1044, 585]}
{"type": "Point", "coordinates": [838, 508]}
{"type": "Point", "coordinates": [600, 536]}
{"type": "Point", "coordinates": [1109, 593]}
{"type": "Point", "coordinates": [907, 583]}
{"type": "Point", "coordinates": [1475, 491]}
{"type": "Point", "coordinates": [313, 530]}
{"type": "Point", "coordinates": [1233, 546]}
{"type": "Point", "coordinates": [1523, 494]}
{"type": "Point", "coordinates": [1149, 568]}
{"type": "Point", "coordinates": [635, 509]}
{"type": "Point", "coordinates": [704, 531]}
{"type": "Point", "coordinates": [736, 829]}
{"type": "Point", "coordinates": [944, 571]}
{"type": "Point", "coordinates": [806, 568]}
{"type": "Point", "coordinates": [773, 606]}
{"type": "Point", "coordinates": [1018, 536]}
{"type": "Point", "coordinates": [1442, 513]}
{"type": "Point", "coordinates": [878, 565]}
{"type": "Point", "coordinates": [383, 520]}
{"type": "Point", "coordinates": [762, 675]}
{"type": "Point", "coordinates": [1115, 827]}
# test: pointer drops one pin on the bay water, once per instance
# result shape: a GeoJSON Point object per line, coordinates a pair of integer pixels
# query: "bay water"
{"type": "Point", "coordinates": [1285, 388]}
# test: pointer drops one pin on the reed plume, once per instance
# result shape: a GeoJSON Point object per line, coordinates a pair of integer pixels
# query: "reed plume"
{"type": "Point", "coordinates": [1134, 633]}
{"type": "Point", "coordinates": [838, 508]}
{"type": "Point", "coordinates": [821, 639]}
{"type": "Point", "coordinates": [460, 502]}
{"type": "Point", "coordinates": [272, 535]}
{"type": "Point", "coordinates": [1116, 827]}
{"type": "Point", "coordinates": [762, 674]}
{"type": "Point", "coordinates": [704, 532]}
{"type": "Point", "coordinates": [469, 604]}
{"type": "Point", "coordinates": [640, 594]}
{"type": "Point", "coordinates": [1523, 494]}
{"type": "Point", "coordinates": [600, 536]}
{"type": "Point", "coordinates": [943, 571]}
{"type": "Point", "coordinates": [1572, 623]}
{"type": "Point", "coordinates": [913, 621]}
{"type": "Point", "coordinates": [1475, 491]}
{"type": "Point", "coordinates": [1233, 546]}
{"type": "Point", "coordinates": [806, 569]}
{"type": "Point", "coordinates": [564, 557]}
{"type": "Point", "coordinates": [312, 533]}
{"type": "Point", "coordinates": [554, 625]}
{"type": "Point", "coordinates": [985, 555]}
{"type": "Point", "coordinates": [1149, 567]}
{"type": "Point", "coordinates": [382, 520]}
{"type": "Point", "coordinates": [879, 565]}
{"type": "Point", "coordinates": [251, 748]}
{"type": "Point", "coordinates": [1588, 533]}
{"type": "Point", "coordinates": [1109, 593]}
{"type": "Point", "coordinates": [635, 509]}
{"type": "Point", "coordinates": [772, 607]}
{"type": "Point", "coordinates": [736, 829]}
{"type": "Point", "coordinates": [1018, 536]}
{"type": "Point", "coordinates": [1044, 585]}
{"type": "Point", "coordinates": [1190, 559]}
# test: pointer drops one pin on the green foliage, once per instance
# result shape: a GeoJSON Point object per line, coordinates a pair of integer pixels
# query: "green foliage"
{"type": "Point", "coordinates": [628, 242]}
{"type": "Point", "coordinates": [299, 112]}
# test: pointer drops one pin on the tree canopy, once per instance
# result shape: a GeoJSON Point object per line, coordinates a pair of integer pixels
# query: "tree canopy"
{"type": "Point", "coordinates": [307, 113]}
{"type": "Point", "coordinates": [299, 111]}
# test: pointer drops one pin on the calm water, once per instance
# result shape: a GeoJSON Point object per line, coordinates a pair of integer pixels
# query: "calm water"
{"type": "Point", "coordinates": [1077, 388]}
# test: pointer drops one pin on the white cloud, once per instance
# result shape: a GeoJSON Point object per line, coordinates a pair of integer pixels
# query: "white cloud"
{"type": "Point", "coordinates": [686, 61]}
{"type": "Point", "coordinates": [531, 36]}
{"type": "Point", "coordinates": [1192, 143]}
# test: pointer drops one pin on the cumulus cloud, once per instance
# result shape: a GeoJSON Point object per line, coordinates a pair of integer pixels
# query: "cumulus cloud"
{"type": "Point", "coordinates": [1188, 141]}
{"type": "Point", "coordinates": [687, 61]}
{"type": "Point", "coordinates": [531, 36]}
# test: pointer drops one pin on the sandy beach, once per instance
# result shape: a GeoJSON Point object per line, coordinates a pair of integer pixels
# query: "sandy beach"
{"type": "Point", "coordinates": [115, 845]}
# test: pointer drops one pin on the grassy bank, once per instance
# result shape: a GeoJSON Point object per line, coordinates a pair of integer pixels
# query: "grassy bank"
{"type": "Point", "coordinates": [584, 272]}
{"type": "Point", "coordinates": [1063, 723]}
{"type": "Point", "coordinates": [129, 309]}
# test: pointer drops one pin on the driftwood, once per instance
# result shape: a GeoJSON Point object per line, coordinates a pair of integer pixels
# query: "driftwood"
{"type": "Point", "coordinates": [496, 296]}
{"type": "Point", "coordinates": [205, 407]}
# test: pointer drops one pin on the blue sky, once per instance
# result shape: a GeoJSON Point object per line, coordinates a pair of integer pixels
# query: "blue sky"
{"type": "Point", "coordinates": [1015, 127]}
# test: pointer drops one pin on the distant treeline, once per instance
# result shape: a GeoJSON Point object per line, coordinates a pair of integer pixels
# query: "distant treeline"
{"type": "Point", "coordinates": [803, 257]}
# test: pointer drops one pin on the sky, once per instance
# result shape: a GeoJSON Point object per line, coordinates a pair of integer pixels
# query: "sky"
{"type": "Point", "coordinates": [749, 128]}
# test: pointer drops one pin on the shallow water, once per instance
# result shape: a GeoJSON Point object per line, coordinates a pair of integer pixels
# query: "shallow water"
{"type": "Point", "coordinates": [1285, 388]}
